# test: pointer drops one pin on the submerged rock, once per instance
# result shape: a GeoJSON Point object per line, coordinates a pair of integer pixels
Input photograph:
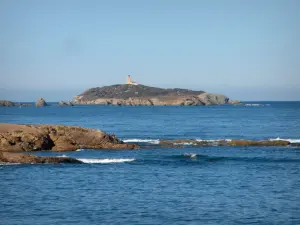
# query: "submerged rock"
{"type": "Point", "coordinates": [7, 157]}
{"type": "Point", "coordinates": [40, 103]}
{"type": "Point", "coordinates": [57, 138]}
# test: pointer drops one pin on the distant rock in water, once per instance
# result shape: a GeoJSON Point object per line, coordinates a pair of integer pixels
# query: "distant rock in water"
{"type": "Point", "coordinates": [135, 95]}
{"type": "Point", "coordinates": [41, 103]}
{"type": "Point", "coordinates": [63, 103]}
{"type": "Point", "coordinates": [6, 103]}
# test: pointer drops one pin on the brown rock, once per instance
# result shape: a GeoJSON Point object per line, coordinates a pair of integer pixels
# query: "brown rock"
{"type": "Point", "coordinates": [7, 157]}
{"type": "Point", "coordinates": [183, 142]}
{"type": "Point", "coordinates": [57, 138]}
{"type": "Point", "coordinates": [258, 143]}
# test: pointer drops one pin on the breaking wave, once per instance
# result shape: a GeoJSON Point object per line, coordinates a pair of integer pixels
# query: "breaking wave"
{"type": "Point", "coordinates": [62, 156]}
{"type": "Point", "coordinates": [157, 141]}
{"type": "Point", "coordinates": [293, 141]}
{"type": "Point", "coordinates": [105, 161]}
{"type": "Point", "coordinates": [135, 140]}
{"type": "Point", "coordinates": [9, 164]}
{"type": "Point", "coordinates": [86, 160]}
{"type": "Point", "coordinates": [184, 143]}
{"type": "Point", "coordinates": [190, 155]}
{"type": "Point", "coordinates": [256, 104]}
{"type": "Point", "coordinates": [214, 140]}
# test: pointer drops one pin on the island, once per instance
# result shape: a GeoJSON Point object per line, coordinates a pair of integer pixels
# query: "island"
{"type": "Point", "coordinates": [134, 94]}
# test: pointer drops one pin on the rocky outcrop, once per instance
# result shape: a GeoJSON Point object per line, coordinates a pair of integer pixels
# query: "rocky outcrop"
{"type": "Point", "coordinates": [258, 143]}
{"type": "Point", "coordinates": [235, 102]}
{"type": "Point", "coordinates": [213, 99]}
{"type": "Point", "coordinates": [141, 95]}
{"type": "Point", "coordinates": [40, 103]}
{"type": "Point", "coordinates": [63, 103]}
{"type": "Point", "coordinates": [7, 157]}
{"type": "Point", "coordinates": [6, 103]}
{"type": "Point", "coordinates": [56, 138]}
{"type": "Point", "coordinates": [197, 143]}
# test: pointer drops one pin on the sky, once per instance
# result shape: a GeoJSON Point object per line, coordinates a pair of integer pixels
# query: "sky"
{"type": "Point", "coordinates": [246, 49]}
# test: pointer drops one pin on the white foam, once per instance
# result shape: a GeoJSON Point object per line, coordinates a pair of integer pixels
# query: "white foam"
{"type": "Point", "coordinates": [80, 150]}
{"type": "Point", "coordinates": [104, 161]}
{"type": "Point", "coordinates": [214, 140]}
{"type": "Point", "coordinates": [151, 141]}
{"type": "Point", "coordinates": [9, 164]}
{"type": "Point", "coordinates": [254, 105]}
{"type": "Point", "coordinates": [288, 139]}
{"type": "Point", "coordinates": [184, 143]}
{"type": "Point", "coordinates": [62, 156]}
{"type": "Point", "coordinates": [191, 155]}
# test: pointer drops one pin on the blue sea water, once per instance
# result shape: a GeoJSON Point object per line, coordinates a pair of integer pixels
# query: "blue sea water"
{"type": "Point", "coordinates": [191, 185]}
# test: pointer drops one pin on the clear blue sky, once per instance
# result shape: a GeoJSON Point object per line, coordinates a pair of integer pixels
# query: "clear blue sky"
{"type": "Point", "coordinates": [246, 49]}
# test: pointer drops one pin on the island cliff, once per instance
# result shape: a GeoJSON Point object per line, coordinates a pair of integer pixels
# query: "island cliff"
{"type": "Point", "coordinates": [137, 94]}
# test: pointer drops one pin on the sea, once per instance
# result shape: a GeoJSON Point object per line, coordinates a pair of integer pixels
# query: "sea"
{"type": "Point", "coordinates": [155, 185]}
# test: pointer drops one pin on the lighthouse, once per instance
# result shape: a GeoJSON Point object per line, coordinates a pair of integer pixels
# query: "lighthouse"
{"type": "Point", "coordinates": [129, 81]}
